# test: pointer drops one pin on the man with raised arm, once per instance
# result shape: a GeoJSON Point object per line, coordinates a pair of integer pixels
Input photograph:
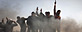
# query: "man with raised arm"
{"type": "Point", "coordinates": [31, 22]}
{"type": "Point", "coordinates": [9, 25]}
{"type": "Point", "coordinates": [57, 16]}
{"type": "Point", "coordinates": [21, 22]}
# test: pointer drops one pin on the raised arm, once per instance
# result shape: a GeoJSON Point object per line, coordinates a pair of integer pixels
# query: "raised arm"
{"type": "Point", "coordinates": [7, 18]}
{"type": "Point", "coordinates": [15, 24]}
{"type": "Point", "coordinates": [37, 11]}
{"type": "Point", "coordinates": [54, 8]}
{"type": "Point", "coordinates": [41, 12]}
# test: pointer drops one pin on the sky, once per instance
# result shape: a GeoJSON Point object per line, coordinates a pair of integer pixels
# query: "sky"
{"type": "Point", "coordinates": [69, 8]}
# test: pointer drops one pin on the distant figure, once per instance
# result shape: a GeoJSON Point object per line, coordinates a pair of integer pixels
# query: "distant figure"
{"type": "Point", "coordinates": [30, 21]}
{"type": "Point", "coordinates": [9, 26]}
{"type": "Point", "coordinates": [57, 16]}
{"type": "Point", "coordinates": [21, 22]}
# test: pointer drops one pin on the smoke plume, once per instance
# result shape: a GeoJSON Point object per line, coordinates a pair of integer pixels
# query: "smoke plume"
{"type": "Point", "coordinates": [70, 25]}
{"type": "Point", "coordinates": [9, 8]}
{"type": "Point", "coordinates": [10, 13]}
{"type": "Point", "coordinates": [51, 24]}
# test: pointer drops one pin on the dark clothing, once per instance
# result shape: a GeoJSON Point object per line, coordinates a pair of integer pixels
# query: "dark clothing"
{"type": "Point", "coordinates": [22, 24]}
{"type": "Point", "coordinates": [31, 22]}
{"type": "Point", "coordinates": [9, 26]}
{"type": "Point", "coordinates": [2, 28]}
{"type": "Point", "coordinates": [57, 16]}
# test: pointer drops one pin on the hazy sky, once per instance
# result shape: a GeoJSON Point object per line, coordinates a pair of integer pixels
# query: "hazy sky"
{"type": "Point", "coordinates": [69, 8]}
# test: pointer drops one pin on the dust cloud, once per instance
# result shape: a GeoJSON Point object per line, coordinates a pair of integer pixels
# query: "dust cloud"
{"type": "Point", "coordinates": [70, 25]}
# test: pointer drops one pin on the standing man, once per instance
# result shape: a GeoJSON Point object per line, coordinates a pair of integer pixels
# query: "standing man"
{"type": "Point", "coordinates": [9, 26]}
{"type": "Point", "coordinates": [23, 25]}
{"type": "Point", "coordinates": [48, 27]}
{"type": "Point", "coordinates": [30, 22]}
{"type": "Point", "coordinates": [41, 20]}
{"type": "Point", "coordinates": [21, 22]}
{"type": "Point", "coordinates": [57, 16]}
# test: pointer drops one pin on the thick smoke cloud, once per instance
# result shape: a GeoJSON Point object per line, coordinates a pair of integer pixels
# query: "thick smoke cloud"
{"type": "Point", "coordinates": [70, 25]}
{"type": "Point", "coordinates": [66, 25]}
{"type": "Point", "coordinates": [9, 8]}
{"type": "Point", "coordinates": [46, 24]}
{"type": "Point", "coordinates": [10, 13]}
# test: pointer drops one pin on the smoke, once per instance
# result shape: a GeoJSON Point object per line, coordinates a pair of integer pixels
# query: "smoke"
{"type": "Point", "coordinates": [5, 12]}
{"type": "Point", "coordinates": [51, 24]}
{"type": "Point", "coordinates": [70, 25]}
{"type": "Point", "coordinates": [45, 24]}
{"type": "Point", "coordinates": [9, 8]}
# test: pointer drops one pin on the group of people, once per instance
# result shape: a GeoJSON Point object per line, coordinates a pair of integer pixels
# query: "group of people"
{"type": "Point", "coordinates": [40, 22]}
{"type": "Point", "coordinates": [43, 23]}
{"type": "Point", "coordinates": [34, 23]}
